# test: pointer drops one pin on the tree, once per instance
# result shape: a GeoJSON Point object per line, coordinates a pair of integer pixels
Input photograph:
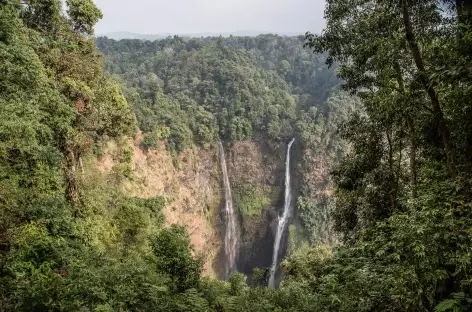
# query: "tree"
{"type": "Point", "coordinates": [174, 257]}
{"type": "Point", "coordinates": [395, 214]}
{"type": "Point", "coordinates": [84, 15]}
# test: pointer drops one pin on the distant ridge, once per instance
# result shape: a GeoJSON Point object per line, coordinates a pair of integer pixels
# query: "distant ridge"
{"type": "Point", "coordinates": [118, 35]}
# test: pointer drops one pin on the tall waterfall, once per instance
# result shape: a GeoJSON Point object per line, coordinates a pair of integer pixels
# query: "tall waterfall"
{"type": "Point", "coordinates": [231, 232]}
{"type": "Point", "coordinates": [282, 220]}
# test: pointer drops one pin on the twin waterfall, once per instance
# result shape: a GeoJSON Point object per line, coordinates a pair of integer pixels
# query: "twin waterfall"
{"type": "Point", "coordinates": [231, 232]}
{"type": "Point", "coordinates": [231, 238]}
{"type": "Point", "coordinates": [282, 220]}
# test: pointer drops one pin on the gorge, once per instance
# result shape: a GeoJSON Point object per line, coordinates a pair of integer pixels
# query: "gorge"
{"type": "Point", "coordinates": [189, 174]}
{"type": "Point", "coordinates": [238, 90]}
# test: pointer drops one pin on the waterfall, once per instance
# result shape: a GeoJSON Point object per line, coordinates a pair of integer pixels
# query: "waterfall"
{"type": "Point", "coordinates": [282, 220]}
{"type": "Point", "coordinates": [231, 232]}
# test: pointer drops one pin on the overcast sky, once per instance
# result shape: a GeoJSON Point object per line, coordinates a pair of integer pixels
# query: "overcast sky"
{"type": "Point", "coordinates": [216, 16]}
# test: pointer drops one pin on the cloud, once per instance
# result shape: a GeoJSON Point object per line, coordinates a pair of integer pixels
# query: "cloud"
{"type": "Point", "coordinates": [196, 16]}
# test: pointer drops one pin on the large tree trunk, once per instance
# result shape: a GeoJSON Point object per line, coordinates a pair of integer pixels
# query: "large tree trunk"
{"type": "Point", "coordinates": [436, 108]}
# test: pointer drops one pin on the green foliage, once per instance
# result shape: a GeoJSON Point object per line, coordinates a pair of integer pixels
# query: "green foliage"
{"type": "Point", "coordinates": [174, 257]}
{"type": "Point", "coordinates": [323, 147]}
{"type": "Point", "coordinates": [69, 241]}
{"type": "Point", "coordinates": [251, 199]}
{"type": "Point", "coordinates": [123, 168]}
{"type": "Point", "coordinates": [403, 191]}
{"type": "Point", "coordinates": [73, 241]}
{"type": "Point", "coordinates": [204, 89]}
{"type": "Point", "coordinates": [150, 141]}
{"type": "Point", "coordinates": [134, 216]}
{"type": "Point", "coordinates": [84, 15]}
{"type": "Point", "coordinates": [237, 282]}
{"type": "Point", "coordinates": [456, 303]}
{"type": "Point", "coordinates": [267, 88]}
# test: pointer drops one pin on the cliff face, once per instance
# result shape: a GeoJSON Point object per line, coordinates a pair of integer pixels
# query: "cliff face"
{"type": "Point", "coordinates": [192, 191]}
{"type": "Point", "coordinates": [257, 175]}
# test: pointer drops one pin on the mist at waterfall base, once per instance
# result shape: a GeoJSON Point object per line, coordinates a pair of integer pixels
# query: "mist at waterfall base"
{"type": "Point", "coordinates": [231, 235]}
{"type": "Point", "coordinates": [283, 221]}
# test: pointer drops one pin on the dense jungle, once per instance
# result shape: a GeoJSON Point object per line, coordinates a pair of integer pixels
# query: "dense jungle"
{"type": "Point", "coordinates": [323, 172]}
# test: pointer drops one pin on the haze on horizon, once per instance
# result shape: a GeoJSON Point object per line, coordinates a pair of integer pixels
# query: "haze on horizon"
{"type": "Point", "coordinates": [210, 16]}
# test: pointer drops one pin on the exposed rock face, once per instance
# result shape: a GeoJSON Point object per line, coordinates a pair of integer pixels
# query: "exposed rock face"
{"type": "Point", "coordinates": [257, 176]}
{"type": "Point", "coordinates": [192, 191]}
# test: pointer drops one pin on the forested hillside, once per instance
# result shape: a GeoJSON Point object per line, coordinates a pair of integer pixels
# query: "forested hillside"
{"type": "Point", "coordinates": [73, 237]}
{"type": "Point", "coordinates": [265, 90]}
{"type": "Point", "coordinates": [79, 132]}
{"type": "Point", "coordinates": [230, 88]}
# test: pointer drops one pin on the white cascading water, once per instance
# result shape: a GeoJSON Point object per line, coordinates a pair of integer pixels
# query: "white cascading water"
{"type": "Point", "coordinates": [282, 220]}
{"type": "Point", "coordinates": [231, 232]}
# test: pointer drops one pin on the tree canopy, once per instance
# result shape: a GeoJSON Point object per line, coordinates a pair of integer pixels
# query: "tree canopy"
{"type": "Point", "coordinates": [71, 240]}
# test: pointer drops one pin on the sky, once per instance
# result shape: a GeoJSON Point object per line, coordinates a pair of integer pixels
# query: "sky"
{"type": "Point", "coordinates": [214, 16]}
